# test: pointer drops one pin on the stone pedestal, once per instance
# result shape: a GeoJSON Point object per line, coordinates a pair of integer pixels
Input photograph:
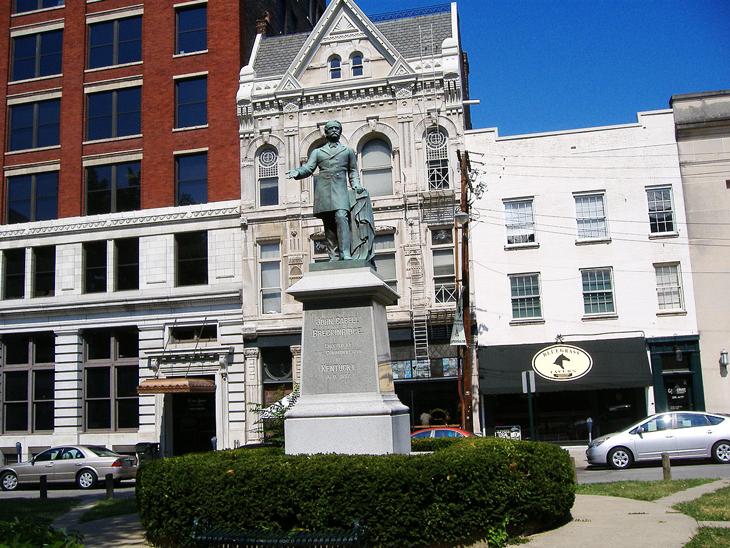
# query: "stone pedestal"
{"type": "Point", "coordinates": [347, 402]}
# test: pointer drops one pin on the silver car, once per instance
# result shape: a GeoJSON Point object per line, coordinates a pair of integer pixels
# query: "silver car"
{"type": "Point", "coordinates": [680, 434]}
{"type": "Point", "coordinates": [79, 464]}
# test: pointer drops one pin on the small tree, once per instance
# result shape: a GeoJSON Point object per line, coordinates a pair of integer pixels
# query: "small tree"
{"type": "Point", "coordinates": [271, 418]}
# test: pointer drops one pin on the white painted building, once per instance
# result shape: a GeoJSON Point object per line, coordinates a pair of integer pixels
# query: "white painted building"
{"type": "Point", "coordinates": [580, 238]}
{"type": "Point", "coordinates": [94, 306]}
{"type": "Point", "coordinates": [396, 85]}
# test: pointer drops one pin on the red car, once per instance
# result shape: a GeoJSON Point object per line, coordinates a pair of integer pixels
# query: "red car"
{"type": "Point", "coordinates": [441, 432]}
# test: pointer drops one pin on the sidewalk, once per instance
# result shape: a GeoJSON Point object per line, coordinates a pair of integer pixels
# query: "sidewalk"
{"type": "Point", "coordinates": [123, 530]}
{"type": "Point", "coordinates": [600, 521]}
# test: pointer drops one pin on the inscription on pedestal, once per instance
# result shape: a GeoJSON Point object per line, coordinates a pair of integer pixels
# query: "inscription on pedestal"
{"type": "Point", "coordinates": [338, 351]}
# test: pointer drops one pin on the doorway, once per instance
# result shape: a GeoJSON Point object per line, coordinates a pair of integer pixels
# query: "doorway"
{"type": "Point", "coordinates": [193, 422]}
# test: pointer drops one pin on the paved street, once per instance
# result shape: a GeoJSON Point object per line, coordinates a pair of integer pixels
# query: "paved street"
{"type": "Point", "coordinates": [66, 491]}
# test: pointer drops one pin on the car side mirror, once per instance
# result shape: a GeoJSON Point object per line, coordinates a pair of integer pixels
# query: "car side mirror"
{"type": "Point", "coordinates": [640, 431]}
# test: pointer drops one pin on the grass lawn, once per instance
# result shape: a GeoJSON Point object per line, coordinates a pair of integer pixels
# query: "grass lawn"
{"type": "Point", "coordinates": [639, 490]}
{"type": "Point", "coordinates": [710, 507]}
{"type": "Point", "coordinates": [708, 537]}
{"type": "Point", "coordinates": [110, 508]}
{"type": "Point", "coordinates": [35, 510]}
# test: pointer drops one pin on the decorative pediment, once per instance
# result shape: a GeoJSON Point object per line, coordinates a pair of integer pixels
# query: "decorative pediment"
{"type": "Point", "coordinates": [288, 83]}
{"type": "Point", "coordinates": [401, 68]}
{"type": "Point", "coordinates": [342, 20]}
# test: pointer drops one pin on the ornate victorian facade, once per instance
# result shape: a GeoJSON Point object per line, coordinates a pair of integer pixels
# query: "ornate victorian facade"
{"type": "Point", "coordinates": [396, 83]}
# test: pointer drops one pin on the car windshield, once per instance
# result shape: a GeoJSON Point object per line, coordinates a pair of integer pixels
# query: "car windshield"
{"type": "Point", "coordinates": [102, 451]}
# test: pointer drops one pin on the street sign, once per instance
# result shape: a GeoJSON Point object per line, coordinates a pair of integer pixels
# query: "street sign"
{"type": "Point", "coordinates": [508, 432]}
{"type": "Point", "coordinates": [528, 382]}
{"type": "Point", "coordinates": [458, 335]}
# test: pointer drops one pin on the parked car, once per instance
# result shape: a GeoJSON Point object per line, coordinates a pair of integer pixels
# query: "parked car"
{"type": "Point", "coordinates": [680, 434]}
{"type": "Point", "coordinates": [80, 464]}
{"type": "Point", "coordinates": [441, 432]}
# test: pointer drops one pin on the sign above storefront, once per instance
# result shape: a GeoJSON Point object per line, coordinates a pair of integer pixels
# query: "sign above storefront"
{"type": "Point", "coordinates": [562, 363]}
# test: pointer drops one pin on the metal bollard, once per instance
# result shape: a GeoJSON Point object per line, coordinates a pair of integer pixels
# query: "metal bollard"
{"type": "Point", "coordinates": [44, 487]}
{"type": "Point", "coordinates": [109, 482]}
{"type": "Point", "coordinates": [666, 467]}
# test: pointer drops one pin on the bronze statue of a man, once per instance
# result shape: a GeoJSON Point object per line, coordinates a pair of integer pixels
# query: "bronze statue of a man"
{"type": "Point", "coordinates": [334, 203]}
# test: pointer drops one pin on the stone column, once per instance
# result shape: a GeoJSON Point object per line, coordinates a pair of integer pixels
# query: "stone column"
{"type": "Point", "coordinates": [254, 393]}
{"type": "Point", "coordinates": [69, 387]}
{"type": "Point", "coordinates": [296, 363]}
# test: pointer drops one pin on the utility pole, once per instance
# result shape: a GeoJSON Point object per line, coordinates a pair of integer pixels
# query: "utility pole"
{"type": "Point", "coordinates": [466, 369]}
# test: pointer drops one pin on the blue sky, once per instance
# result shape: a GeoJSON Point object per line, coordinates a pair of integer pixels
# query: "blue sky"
{"type": "Point", "coordinates": [544, 65]}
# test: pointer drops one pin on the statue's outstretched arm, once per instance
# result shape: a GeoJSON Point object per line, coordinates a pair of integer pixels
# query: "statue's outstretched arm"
{"type": "Point", "coordinates": [306, 170]}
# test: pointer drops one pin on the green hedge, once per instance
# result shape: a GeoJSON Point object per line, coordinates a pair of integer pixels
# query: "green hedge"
{"type": "Point", "coordinates": [432, 444]}
{"type": "Point", "coordinates": [457, 494]}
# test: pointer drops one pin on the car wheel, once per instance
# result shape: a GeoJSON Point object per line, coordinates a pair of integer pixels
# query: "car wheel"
{"type": "Point", "coordinates": [620, 458]}
{"type": "Point", "coordinates": [720, 452]}
{"type": "Point", "coordinates": [9, 481]}
{"type": "Point", "coordinates": [86, 479]}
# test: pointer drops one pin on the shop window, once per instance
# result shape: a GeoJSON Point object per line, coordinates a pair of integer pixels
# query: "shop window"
{"type": "Point", "coordinates": [32, 197]}
{"type": "Point", "coordinates": [384, 249]}
{"type": "Point", "coordinates": [590, 213]}
{"type": "Point", "coordinates": [191, 258]}
{"type": "Point", "coordinates": [191, 102]}
{"type": "Point", "coordinates": [112, 188]}
{"type": "Point", "coordinates": [34, 125]}
{"type": "Point", "coordinates": [191, 29]}
{"type": "Point", "coordinates": [356, 64]}
{"type": "Point", "coordinates": [525, 291]}
{"type": "Point", "coordinates": [669, 286]}
{"type": "Point", "coordinates": [44, 271]}
{"type": "Point", "coordinates": [126, 251]}
{"type": "Point", "coordinates": [115, 42]}
{"type": "Point", "coordinates": [335, 65]}
{"type": "Point", "coordinates": [95, 267]}
{"type": "Point", "coordinates": [519, 221]}
{"type": "Point", "coordinates": [111, 377]}
{"type": "Point", "coordinates": [437, 160]}
{"type": "Point", "coordinates": [597, 291]}
{"type": "Point", "coordinates": [444, 273]}
{"type": "Point", "coordinates": [22, 6]}
{"type": "Point", "coordinates": [14, 273]}
{"type": "Point", "coordinates": [277, 373]}
{"type": "Point", "coordinates": [377, 171]}
{"type": "Point", "coordinates": [661, 210]}
{"type": "Point", "coordinates": [270, 277]}
{"type": "Point", "coordinates": [37, 55]}
{"type": "Point", "coordinates": [268, 176]}
{"type": "Point", "coordinates": [28, 382]}
{"type": "Point", "coordinates": [191, 176]}
{"type": "Point", "coordinates": [193, 333]}
{"type": "Point", "coordinates": [115, 113]}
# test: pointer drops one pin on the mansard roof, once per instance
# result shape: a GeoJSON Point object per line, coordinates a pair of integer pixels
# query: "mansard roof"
{"type": "Point", "coordinates": [276, 53]}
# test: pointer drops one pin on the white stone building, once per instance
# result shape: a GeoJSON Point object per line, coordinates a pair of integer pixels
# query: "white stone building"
{"type": "Point", "coordinates": [397, 86]}
{"type": "Point", "coordinates": [581, 238]}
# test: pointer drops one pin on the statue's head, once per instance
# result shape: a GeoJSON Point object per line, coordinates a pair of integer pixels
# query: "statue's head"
{"type": "Point", "coordinates": [333, 130]}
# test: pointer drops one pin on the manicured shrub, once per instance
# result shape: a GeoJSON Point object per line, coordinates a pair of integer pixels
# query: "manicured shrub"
{"type": "Point", "coordinates": [28, 534]}
{"type": "Point", "coordinates": [419, 445]}
{"type": "Point", "coordinates": [454, 495]}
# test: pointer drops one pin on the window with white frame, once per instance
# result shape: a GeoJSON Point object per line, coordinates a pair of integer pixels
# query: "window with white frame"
{"type": "Point", "coordinates": [661, 210]}
{"type": "Point", "coordinates": [377, 171]}
{"type": "Point", "coordinates": [598, 291]}
{"type": "Point", "coordinates": [525, 292]}
{"type": "Point", "coordinates": [270, 277]}
{"type": "Point", "coordinates": [669, 286]}
{"type": "Point", "coordinates": [384, 249]}
{"type": "Point", "coordinates": [437, 159]}
{"type": "Point", "coordinates": [444, 272]}
{"type": "Point", "coordinates": [590, 215]}
{"type": "Point", "coordinates": [356, 64]}
{"type": "Point", "coordinates": [335, 64]}
{"type": "Point", "coordinates": [268, 176]}
{"type": "Point", "coordinates": [519, 221]}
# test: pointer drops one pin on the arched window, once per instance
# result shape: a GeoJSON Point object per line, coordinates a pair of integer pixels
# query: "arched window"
{"type": "Point", "coordinates": [377, 171]}
{"type": "Point", "coordinates": [437, 159]}
{"type": "Point", "coordinates": [268, 176]}
{"type": "Point", "coordinates": [356, 64]}
{"type": "Point", "coordinates": [335, 67]}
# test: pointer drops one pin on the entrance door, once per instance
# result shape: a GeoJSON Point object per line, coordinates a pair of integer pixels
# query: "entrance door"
{"type": "Point", "coordinates": [193, 423]}
{"type": "Point", "coordinates": [679, 392]}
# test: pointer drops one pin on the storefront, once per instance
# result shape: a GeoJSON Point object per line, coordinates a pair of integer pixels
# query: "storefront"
{"type": "Point", "coordinates": [677, 371]}
{"type": "Point", "coordinates": [604, 380]}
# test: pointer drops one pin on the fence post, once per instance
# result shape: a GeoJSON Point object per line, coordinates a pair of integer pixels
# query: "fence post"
{"type": "Point", "coordinates": [109, 481]}
{"type": "Point", "coordinates": [666, 467]}
{"type": "Point", "coordinates": [44, 487]}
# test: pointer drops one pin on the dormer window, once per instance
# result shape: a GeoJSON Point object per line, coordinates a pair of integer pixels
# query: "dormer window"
{"type": "Point", "coordinates": [356, 64]}
{"type": "Point", "coordinates": [335, 67]}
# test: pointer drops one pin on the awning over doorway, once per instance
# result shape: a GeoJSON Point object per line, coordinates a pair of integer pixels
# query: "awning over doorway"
{"type": "Point", "coordinates": [616, 363]}
{"type": "Point", "coordinates": [176, 385]}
